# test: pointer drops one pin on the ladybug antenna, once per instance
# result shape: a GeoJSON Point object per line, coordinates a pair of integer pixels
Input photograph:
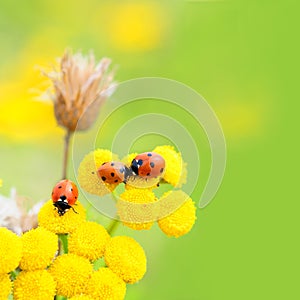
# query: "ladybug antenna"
{"type": "Point", "coordinates": [74, 210]}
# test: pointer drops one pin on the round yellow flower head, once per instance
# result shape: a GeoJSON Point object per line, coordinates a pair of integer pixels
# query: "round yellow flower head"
{"type": "Point", "coordinates": [180, 221]}
{"type": "Point", "coordinates": [136, 216]}
{"type": "Point", "coordinates": [87, 172]}
{"type": "Point", "coordinates": [49, 218]}
{"type": "Point", "coordinates": [89, 240]}
{"type": "Point", "coordinates": [106, 285]}
{"type": "Point", "coordinates": [126, 258]}
{"type": "Point", "coordinates": [10, 250]}
{"type": "Point", "coordinates": [71, 274]}
{"type": "Point", "coordinates": [175, 171]}
{"type": "Point", "coordinates": [5, 286]}
{"type": "Point", "coordinates": [37, 285]}
{"type": "Point", "coordinates": [81, 297]}
{"type": "Point", "coordinates": [39, 248]}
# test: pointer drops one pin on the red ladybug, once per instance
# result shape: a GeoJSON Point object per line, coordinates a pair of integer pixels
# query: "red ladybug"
{"type": "Point", "coordinates": [64, 196]}
{"type": "Point", "coordinates": [148, 165]}
{"type": "Point", "coordinates": [113, 172]}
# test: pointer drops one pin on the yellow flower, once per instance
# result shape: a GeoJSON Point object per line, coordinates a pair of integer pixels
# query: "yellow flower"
{"type": "Point", "coordinates": [129, 213]}
{"type": "Point", "coordinates": [136, 26]}
{"type": "Point", "coordinates": [81, 297]}
{"type": "Point", "coordinates": [39, 248]}
{"type": "Point", "coordinates": [89, 240]}
{"type": "Point", "coordinates": [81, 86]}
{"type": "Point", "coordinates": [37, 285]}
{"type": "Point", "coordinates": [49, 218]}
{"type": "Point", "coordinates": [71, 274]}
{"type": "Point", "coordinates": [5, 286]}
{"type": "Point", "coordinates": [106, 285]}
{"type": "Point", "coordinates": [126, 258]}
{"type": "Point", "coordinates": [175, 171]}
{"type": "Point", "coordinates": [181, 221]}
{"type": "Point", "coordinates": [87, 172]}
{"type": "Point", "coordinates": [10, 250]}
{"type": "Point", "coordinates": [1, 182]}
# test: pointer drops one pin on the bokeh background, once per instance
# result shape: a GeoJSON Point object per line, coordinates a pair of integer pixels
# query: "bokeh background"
{"type": "Point", "coordinates": [242, 56]}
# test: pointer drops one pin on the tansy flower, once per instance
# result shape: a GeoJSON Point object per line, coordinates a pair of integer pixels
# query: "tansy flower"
{"type": "Point", "coordinates": [81, 86]}
{"type": "Point", "coordinates": [87, 172]}
{"type": "Point", "coordinates": [89, 240]}
{"type": "Point", "coordinates": [39, 248]}
{"type": "Point", "coordinates": [71, 273]}
{"type": "Point", "coordinates": [81, 297]}
{"type": "Point", "coordinates": [136, 216]}
{"type": "Point", "coordinates": [37, 285]}
{"type": "Point", "coordinates": [5, 286]}
{"type": "Point", "coordinates": [181, 221]}
{"type": "Point", "coordinates": [175, 171]}
{"type": "Point", "coordinates": [49, 218]}
{"type": "Point", "coordinates": [126, 258]}
{"type": "Point", "coordinates": [10, 250]}
{"type": "Point", "coordinates": [106, 285]}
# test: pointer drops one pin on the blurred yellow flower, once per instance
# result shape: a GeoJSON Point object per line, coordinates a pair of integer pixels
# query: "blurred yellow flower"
{"type": "Point", "coordinates": [10, 250]}
{"type": "Point", "coordinates": [175, 171]}
{"type": "Point", "coordinates": [5, 286]}
{"type": "Point", "coordinates": [1, 182]}
{"type": "Point", "coordinates": [137, 25]}
{"type": "Point", "coordinates": [88, 240]}
{"type": "Point", "coordinates": [37, 285]}
{"type": "Point", "coordinates": [49, 218]}
{"type": "Point", "coordinates": [126, 258]}
{"type": "Point", "coordinates": [87, 172]}
{"type": "Point", "coordinates": [129, 214]}
{"type": "Point", "coordinates": [106, 285]}
{"type": "Point", "coordinates": [71, 274]}
{"type": "Point", "coordinates": [181, 221]}
{"type": "Point", "coordinates": [39, 248]}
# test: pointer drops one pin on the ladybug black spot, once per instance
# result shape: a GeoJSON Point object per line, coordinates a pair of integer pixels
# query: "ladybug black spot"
{"type": "Point", "coordinates": [149, 154]}
{"type": "Point", "coordinates": [75, 197]}
{"type": "Point", "coordinates": [161, 170]}
{"type": "Point", "coordinates": [116, 180]}
{"type": "Point", "coordinates": [148, 174]}
{"type": "Point", "coordinates": [103, 178]}
{"type": "Point", "coordinates": [140, 162]}
{"type": "Point", "coordinates": [71, 190]}
{"type": "Point", "coordinates": [112, 164]}
{"type": "Point", "coordinates": [60, 187]}
{"type": "Point", "coordinates": [152, 164]}
{"type": "Point", "coordinates": [112, 174]}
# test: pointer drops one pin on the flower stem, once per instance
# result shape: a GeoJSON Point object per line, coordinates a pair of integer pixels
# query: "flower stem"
{"type": "Point", "coordinates": [112, 226]}
{"type": "Point", "coordinates": [66, 153]}
{"type": "Point", "coordinates": [64, 240]}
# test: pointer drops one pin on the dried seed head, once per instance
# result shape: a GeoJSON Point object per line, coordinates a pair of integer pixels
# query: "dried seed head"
{"type": "Point", "coordinates": [80, 87]}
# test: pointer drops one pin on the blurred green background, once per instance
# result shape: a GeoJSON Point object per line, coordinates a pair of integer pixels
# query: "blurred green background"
{"type": "Point", "coordinates": [242, 56]}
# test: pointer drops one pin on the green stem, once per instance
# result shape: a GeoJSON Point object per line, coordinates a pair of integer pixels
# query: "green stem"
{"type": "Point", "coordinates": [64, 241]}
{"type": "Point", "coordinates": [112, 226]}
{"type": "Point", "coordinates": [14, 274]}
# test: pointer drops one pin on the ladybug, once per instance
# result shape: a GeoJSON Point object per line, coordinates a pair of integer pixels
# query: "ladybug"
{"type": "Point", "coordinates": [148, 165]}
{"type": "Point", "coordinates": [113, 172]}
{"type": "Point", "coordinates": [64, 196]}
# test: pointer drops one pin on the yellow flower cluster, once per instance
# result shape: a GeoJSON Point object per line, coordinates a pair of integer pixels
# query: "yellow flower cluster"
{"type": "Point", "coordinates": [137, 206]}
